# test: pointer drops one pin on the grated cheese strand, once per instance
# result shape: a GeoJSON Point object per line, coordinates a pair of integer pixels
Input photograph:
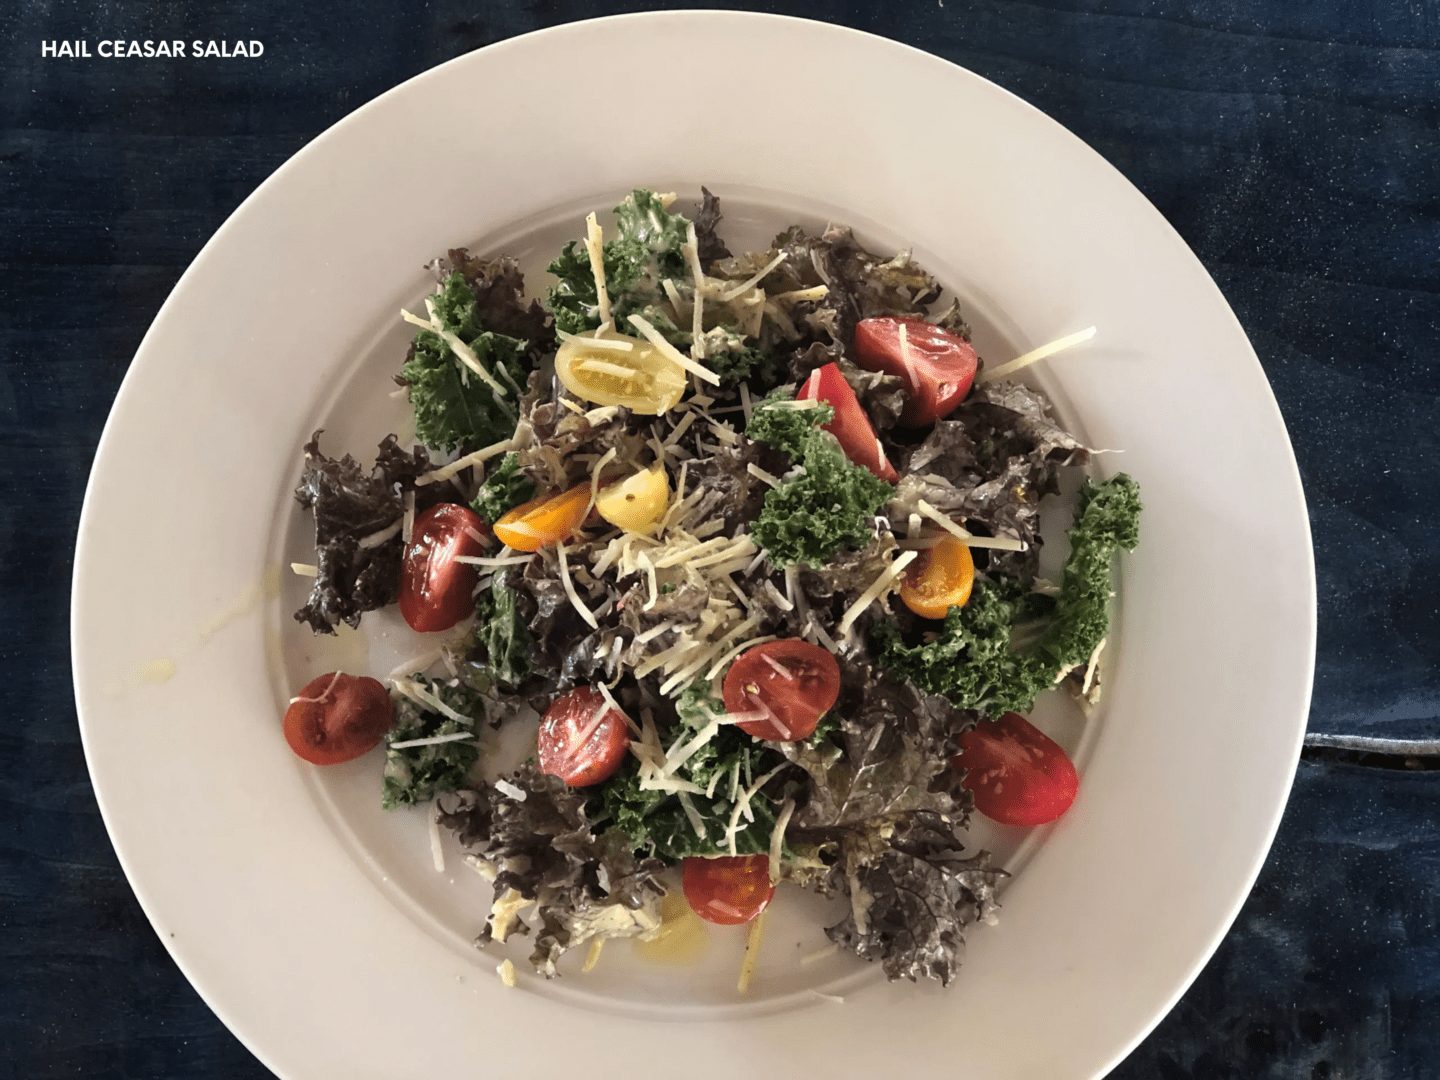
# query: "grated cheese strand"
{"type": "Point", "coordinates": [305, 569]}
{"type": "Point", "coordinates": [445, 472]}
{"type": "Point", "coordinates": [752, 951]}
{"type": "Point", "coordinates": [595, 248]}
{"type": "Point", "coordinates": [433, 740]}
{"type": "Point", "coordinates": [691, 250]}
{"type": "Point", "coordinates": [671, 353]}
{"type": "Point", "coordinates": [605, 459]}
{"type": "Point", "coordinates": [1025, 360]}
{"type": "Point", "coordinates": [375, 539]}
{"type": "Point", "coordinates": [437, 853]}
{"type": "Point", "coordinates": [942, 520]}
{"type": "Point", "coordinates": [592, 342]}
{"type": "Point", "coordinates": [877, 588]}
{"type": "Point", "coordinates": [750, 283]}
{"type": "Point", "coordinates": [777, 838]}
{"type": "Point", "coordinates": [574, 597]}
{"type": "Point", "coordinates": [465, 354]}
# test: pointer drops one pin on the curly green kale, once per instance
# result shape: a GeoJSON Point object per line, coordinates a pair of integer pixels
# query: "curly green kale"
{"type": "Point", "coordinates": [416, 774]}
{"type": "Point", "coordinates": [645, 253]}
{"type": "Point", "coordinates": [454, 407]}
{"type": "Point", "coordinates": [504, 489]}
{"type": "Point", "coordinates": [831, 505]}
{"type": "Point", "coordinates": [657, 822]}
{"type": "Point", "coordinates": [500, 634]}
{"type": "Point", "coordinates": [972, 662]}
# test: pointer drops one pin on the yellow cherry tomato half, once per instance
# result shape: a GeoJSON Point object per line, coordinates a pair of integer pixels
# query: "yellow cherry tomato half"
{"type": "Point", "coordinates": [939, 579]}
{"type": "Point", "coordinates": [546, 520]}
{"type": "Point", "coordinates": [635, 503]}
{"type": "Point", "coordinates": [638, 377]}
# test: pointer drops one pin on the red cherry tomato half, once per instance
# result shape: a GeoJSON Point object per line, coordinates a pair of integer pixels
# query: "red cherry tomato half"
{"type": "Point", "coordinates": [582, 739]}
{"type": "Point", "coordinates": [436, 592]}
{"type": "Point", "coordinates": [941, 368]}
{"type": "Point", "coordinates": [851, 426]}
{"type": "Point", "coordinates": [1019, 775]}
{"type": "Point", "coordinates": [730, 890]}
{"type": "Point", "coordinates": [338, 717]}
{"type": "Point", "coordinates": [791, 681]}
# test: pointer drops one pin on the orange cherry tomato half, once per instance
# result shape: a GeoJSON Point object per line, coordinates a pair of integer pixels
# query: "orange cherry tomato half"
{"type": "Point", "coordinates": [338, 717]}
{"type": "Point", "coordinates": [942, 366]}
{"type": "Point", "coordinates": [549, 519]}
{"type": "Point", "coordinates": [436, 592]}
{"type": "Point", "coordinates": [941, 578]}
{"type": "Point", "coordinates": [583, 740]}
{"type": "Point", "coordinates": [729, 890]}
{"type": "Point", "coordinates": [851, 426]}
{"type": "Point", "coordinates": [792, 682]}
{"type": "Point", "coordinates": [1018, 774]}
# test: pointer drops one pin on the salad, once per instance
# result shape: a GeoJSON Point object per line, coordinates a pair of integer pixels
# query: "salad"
{"type": "Point", "coordinates": [757, 538]}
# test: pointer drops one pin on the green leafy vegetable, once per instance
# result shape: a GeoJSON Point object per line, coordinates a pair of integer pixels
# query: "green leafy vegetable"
{"type": "Point", "coordinates": [454, 407]}
{"type": "Point", "coordinates": [416, 774]}
{"type": "Point", "coordinates": [830, 506]}
{"type": "Point", "coordinates": [972, 662]}
{"type": "Point", "coordinates": [657, 822]}
{"type": "Point", "coordinates": [504, 489]}
{"type": "Point", "coordinates": [645, 253]}
{"type": "Point", "coordinates": [541, 848]}
{"type": "Point", "coordinates": [500, 635]}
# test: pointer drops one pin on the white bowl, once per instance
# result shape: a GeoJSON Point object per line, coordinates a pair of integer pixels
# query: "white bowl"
{"type": "Point", "coordinates": [314, 925]}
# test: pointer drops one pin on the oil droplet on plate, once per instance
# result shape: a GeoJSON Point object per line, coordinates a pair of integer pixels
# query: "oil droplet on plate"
{"type": "Point", "coordinates": [682, 939]}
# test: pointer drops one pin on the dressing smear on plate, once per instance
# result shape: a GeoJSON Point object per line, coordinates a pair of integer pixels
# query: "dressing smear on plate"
{"type": "Point", "coordinates": [758, 537]}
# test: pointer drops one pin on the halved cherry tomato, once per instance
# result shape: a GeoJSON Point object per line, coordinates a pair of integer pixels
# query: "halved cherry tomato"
{"type": "Point", "coordinates": [941, 368]}
{"type": "Point", "coordinates": [728, 890]}
{"type": "Point", "coordinates": [546, 520]}
{"type": "Point", "coordinates": [1019, 775]}
{"type": "Point", "coordinates": [791, 681]}
{"type": "Point", "coordinates": [641, 378]}
{"type": "Point", "coordinates": [851, 426]}
{"type": "Point", "coordinates": [436, 592]}
{"type": "Point", "coordinates": [338, 717]}
{"type": "Point", "coordinates": [582, 739]}
{"type": "Point", "coordinates": [939, 579]}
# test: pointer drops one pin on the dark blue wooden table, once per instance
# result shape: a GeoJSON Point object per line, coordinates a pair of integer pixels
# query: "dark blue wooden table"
{"type": "Point", "coordinates": [1295, 146]}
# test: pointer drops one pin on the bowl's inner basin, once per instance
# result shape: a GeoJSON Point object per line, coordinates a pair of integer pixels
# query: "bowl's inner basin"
{"type": "Point", "coordinates": [692, 972]}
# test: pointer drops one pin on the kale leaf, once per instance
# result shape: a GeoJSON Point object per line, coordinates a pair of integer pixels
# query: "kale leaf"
{"type": "Point", "coordinates": [454, 407]}
{"type": "Point", "coordinates": [911, 902]}
{"type": "Point", "coordinates": [972, 662]}
{"type": "Point", "coordinates": [645, 253]}
{"type": "Point", "coordinates": [416, 774]}
{"type": "Point", "coordinates": [501, 640]}
{"type": "Point", "coordinates": [504, 489]}
{"type": "Point", "coordinates": [830, 505]}
{"type": "Point", "coordinates": [541, 848]}
{"type": "Point", "coordinates": [499, 289]}
{"type": "Point", "coordinates": [349, 505]}
{"type": "Point", "coordinates": [656, 822]}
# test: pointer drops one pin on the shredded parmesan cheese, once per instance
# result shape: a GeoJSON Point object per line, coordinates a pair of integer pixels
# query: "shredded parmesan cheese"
{"type": "Point", "coordinates": [433, 740]}
{"type": "Point", "coordinates": [445, 472]}
{"type": "Point", "coordinates": [760, 474]}
{"type": "Point", "coordinates": [908, 360]}
{"type": "Point", "coordinates": [437, 853]}
{"type": "Point", "coordinates": [1058, 345]}
{"type": "Point", "coordinates": [574, 597]}
{"type": "Point", "coordinates": [592, 342]}
{"type": "Point", "coordinates": [595, 248]}
{"type": "Point", "coordinates": [879, 587]}
{"type": "Point", "coordinates": [752, 951]}
{"type": "Point", "coordinates": [777, 838]}
{"type": "Point", "coordinates": [375, 539]}
{"type": "Point", "coordinates": [750, 283]}
{"type": "Point", "coordinates": [305, 569]}
{"type": "Point", "coordinates": [671, 353]}
{"type": "Point", "coordinates": [506, 971]}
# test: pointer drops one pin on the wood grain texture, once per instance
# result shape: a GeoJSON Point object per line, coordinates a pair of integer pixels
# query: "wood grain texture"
{"type": "Point", "coordinates": [1296, 148]}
